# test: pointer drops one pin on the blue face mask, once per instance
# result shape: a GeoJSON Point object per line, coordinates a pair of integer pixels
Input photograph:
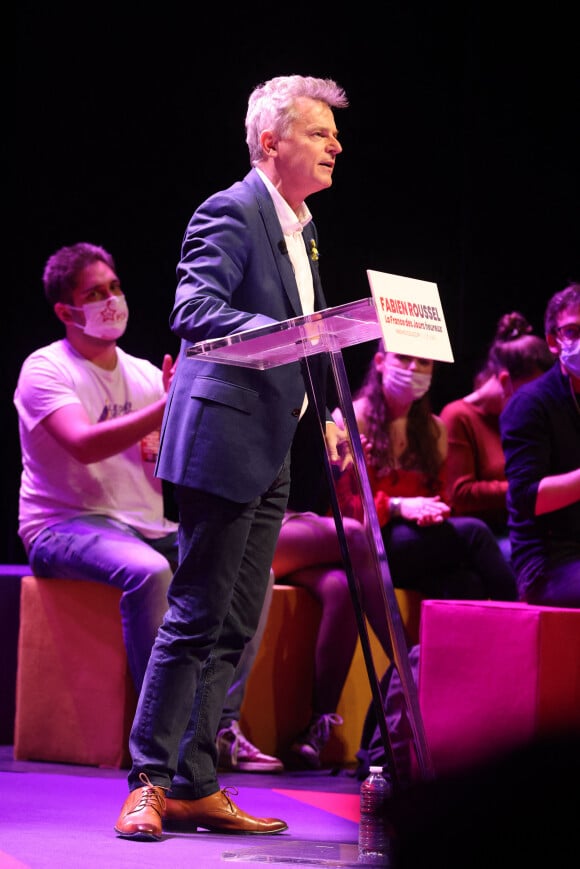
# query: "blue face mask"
{"type": "Point", "coordinates": [570, 357]}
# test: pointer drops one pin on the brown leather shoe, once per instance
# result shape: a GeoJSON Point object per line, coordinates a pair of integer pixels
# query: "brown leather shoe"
{"type": "Point", "coordinates": [142, 812]}
{"type": "Point", "coordinates": [219, 814]}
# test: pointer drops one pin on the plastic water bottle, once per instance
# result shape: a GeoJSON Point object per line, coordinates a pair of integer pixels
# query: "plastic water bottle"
{"type": "Point", "coordinates": [373, 832]}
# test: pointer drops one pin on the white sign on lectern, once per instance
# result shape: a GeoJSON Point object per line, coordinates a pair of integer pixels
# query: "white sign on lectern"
{"type": "Point", "coordinates": [410, 315]}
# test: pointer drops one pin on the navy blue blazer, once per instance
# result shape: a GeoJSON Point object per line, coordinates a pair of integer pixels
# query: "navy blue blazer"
{"type": "Point", "coordinates": [227, 429]}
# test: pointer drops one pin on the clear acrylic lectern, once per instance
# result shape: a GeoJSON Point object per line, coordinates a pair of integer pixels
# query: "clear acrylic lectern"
{"type": "Point", "coordinates": [329, 331]}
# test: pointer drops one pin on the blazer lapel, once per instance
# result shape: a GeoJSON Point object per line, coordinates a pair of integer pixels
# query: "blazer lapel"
{"type": "Point", "coordinates": [276, 239]}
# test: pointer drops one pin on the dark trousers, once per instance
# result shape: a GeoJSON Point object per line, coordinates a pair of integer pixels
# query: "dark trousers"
{"type": "Point", "coordinates": [215, 600]}
{"type": "Point", "coordinates": [460, 558]}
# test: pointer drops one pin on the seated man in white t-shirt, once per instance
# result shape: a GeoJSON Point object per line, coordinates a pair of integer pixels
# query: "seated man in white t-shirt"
{"type": "Point", "coordinates": [89, 414]}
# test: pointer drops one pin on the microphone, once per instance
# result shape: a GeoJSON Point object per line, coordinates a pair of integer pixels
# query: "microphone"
{"type": "Point", "coordinates": [282, 246]}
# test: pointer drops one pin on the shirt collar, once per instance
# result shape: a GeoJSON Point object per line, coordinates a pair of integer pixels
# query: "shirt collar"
{"type": "Point", "coordinates": [289, 220]}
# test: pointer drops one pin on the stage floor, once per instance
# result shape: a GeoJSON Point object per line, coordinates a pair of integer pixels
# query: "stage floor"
{"type": "Point", "coordinates": [59, 815]}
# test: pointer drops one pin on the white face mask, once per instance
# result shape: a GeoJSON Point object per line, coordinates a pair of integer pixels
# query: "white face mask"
{"type": "Point", "coordinates": [105, 319]}
{"type": "Point", "coordinates": [570, 357]}
{"type": "Point", "coordinates": [404, 385]}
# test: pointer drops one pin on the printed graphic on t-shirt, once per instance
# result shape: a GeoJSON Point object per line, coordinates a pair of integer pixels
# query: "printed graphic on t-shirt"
{"type": "Point", "coordinates": [111, 410]}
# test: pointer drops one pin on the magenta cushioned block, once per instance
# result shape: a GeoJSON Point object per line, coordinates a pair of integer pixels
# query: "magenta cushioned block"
{"type": "Point", "coordinates": [495, 675]}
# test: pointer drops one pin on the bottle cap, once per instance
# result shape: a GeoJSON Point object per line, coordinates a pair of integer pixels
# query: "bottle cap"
{"type": "Point", "coordinates": [375, 768]}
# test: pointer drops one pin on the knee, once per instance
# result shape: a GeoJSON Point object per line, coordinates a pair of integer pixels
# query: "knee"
{"type": "Point", "coordinates": [333, 591]}
{"type": "Point", "coordinates": [356, 536]}
{"type": "Point", "coordinates": [474, 531]}
{"type": "Point", "coordinates": [147, 578]}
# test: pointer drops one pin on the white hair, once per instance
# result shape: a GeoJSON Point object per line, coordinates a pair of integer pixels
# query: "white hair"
{"type": "Point", "coordinates": [270, 106]}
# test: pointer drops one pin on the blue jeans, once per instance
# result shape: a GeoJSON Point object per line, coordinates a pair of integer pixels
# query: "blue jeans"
{"type": "Point", "coordinates": [215, 601]}
{"type": "Point", "coordinates": [102, 549]}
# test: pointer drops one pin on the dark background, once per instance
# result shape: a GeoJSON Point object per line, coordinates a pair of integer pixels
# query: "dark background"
{"type": "Point", "coordinates": [460, 161]}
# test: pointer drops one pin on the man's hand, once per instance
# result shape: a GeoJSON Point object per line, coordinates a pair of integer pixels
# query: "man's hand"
{"type": "Point", "coordinates": [337, 445]}
{"type": "Point", "coordinates": [168, 367]}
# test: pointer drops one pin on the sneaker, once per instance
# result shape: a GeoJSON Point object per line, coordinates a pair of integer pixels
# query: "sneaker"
{"type": "Point", "coordinates": [309, 744]}
{"type": "Point", "coordinates": [236, 753]}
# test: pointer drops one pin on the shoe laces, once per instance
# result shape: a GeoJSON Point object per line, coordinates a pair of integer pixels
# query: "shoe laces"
{"type": "Point", "coordinates": [318, 731]}
{"type": "Point", "coordinates": [230, 789]}
{"type": "Point", "coordinates": [150, 796]}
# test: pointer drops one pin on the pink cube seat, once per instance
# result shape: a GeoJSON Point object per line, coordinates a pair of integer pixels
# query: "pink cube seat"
{"type": "Point", "coordinates": [495, 675]}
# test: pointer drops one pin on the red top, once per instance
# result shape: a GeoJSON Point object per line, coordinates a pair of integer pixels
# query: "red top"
{"type": "Point", "coordinates": [475, 463]}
